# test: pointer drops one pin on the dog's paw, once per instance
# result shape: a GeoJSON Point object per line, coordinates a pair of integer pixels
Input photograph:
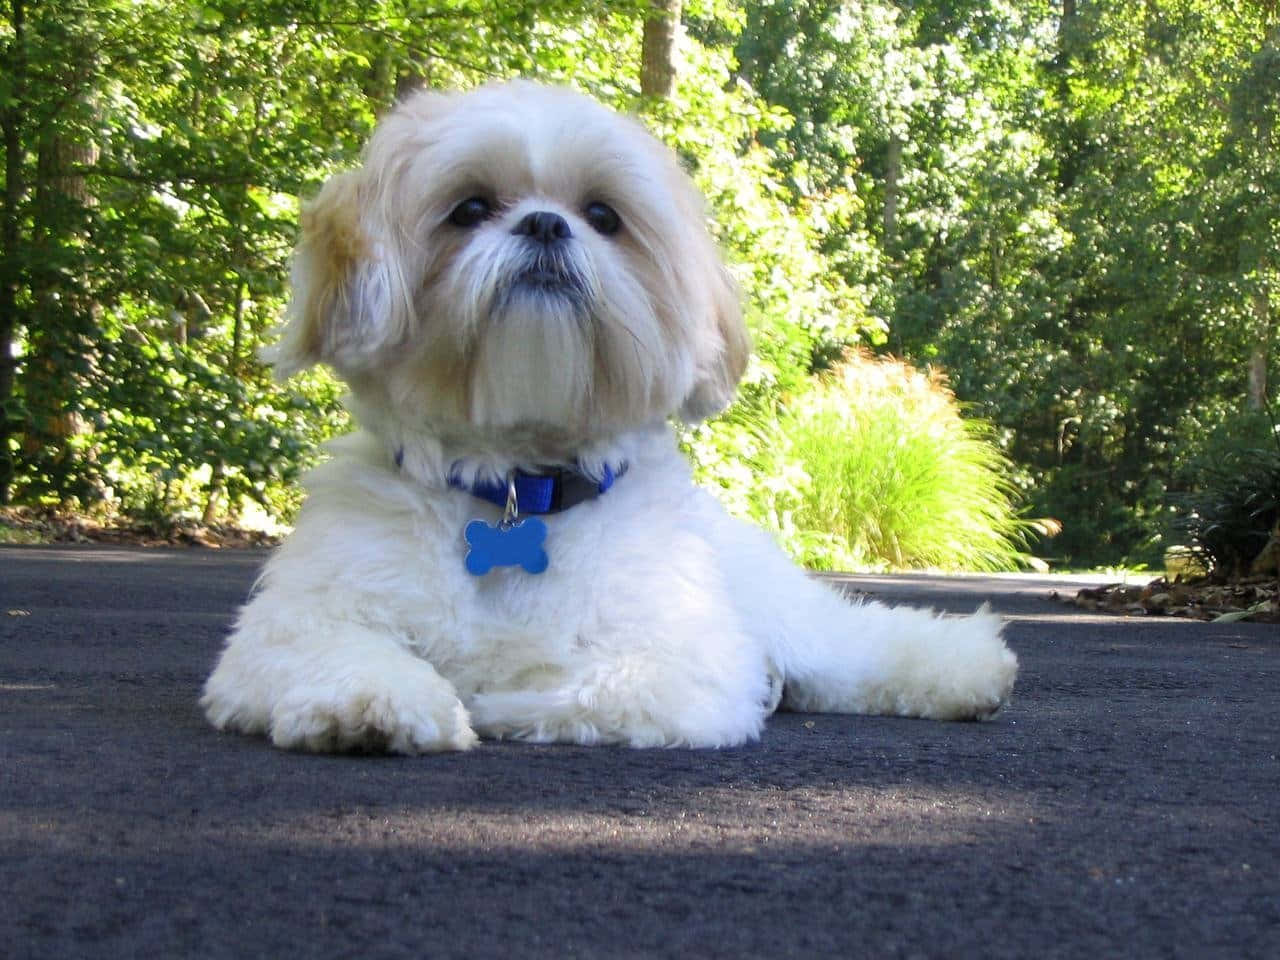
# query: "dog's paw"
{"type": "Point", "coordinates": [911, 663]}
{"type": "Point", "coordinates": [372, 715]}
{"type": "Point", "coordinates": [336, 689]}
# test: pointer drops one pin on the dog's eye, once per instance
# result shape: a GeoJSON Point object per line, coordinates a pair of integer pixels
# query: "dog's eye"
{"type": "Point", "coordinates": [470, 212]}
{"type": "Point", "coordinates": [603, 218]}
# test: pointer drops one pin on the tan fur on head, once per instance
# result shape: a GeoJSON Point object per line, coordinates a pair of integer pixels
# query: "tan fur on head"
{"type": "Point", "coordinates": [348, 302]}
{"type": "Point", "coordinates": [720, 371]}
{"type": "Point", "coordinates": [477, 325]}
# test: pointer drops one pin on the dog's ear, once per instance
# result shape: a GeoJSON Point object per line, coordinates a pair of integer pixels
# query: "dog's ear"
{"type": "Point", "coordinates": [349, 302]}
{"type": "Point", "coordinates": [725, 346]}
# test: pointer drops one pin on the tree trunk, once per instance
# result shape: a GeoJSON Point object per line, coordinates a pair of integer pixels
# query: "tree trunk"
{"type": "Point", "coordinates": [61, 166]}
{"type": "Point", "coordinates": [218, 473]}
{"type": "Point", "coordinates": [1263, 322]}
{"type": "Point", "coordinates": [892, 176]}
{"type": "Point", "coordinates": [657, 64]}
{"type": "Point", "coordinates": [10, 268]}
{"type": "Point", "coordinates": [62, 195]}
{"type": "Point", "coordinates": [1257, 369]}
{"type": "Point", "coordinates": [9, 273]}
{"type": "Point", "coordinates": [213, 498]}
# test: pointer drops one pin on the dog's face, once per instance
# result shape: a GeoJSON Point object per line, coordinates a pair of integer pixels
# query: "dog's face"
{"type": "Point", "coordinates": [517, 256]}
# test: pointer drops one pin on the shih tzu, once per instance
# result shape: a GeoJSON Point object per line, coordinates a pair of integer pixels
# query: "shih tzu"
{"type": "Point", "coordinates": [520, 290]}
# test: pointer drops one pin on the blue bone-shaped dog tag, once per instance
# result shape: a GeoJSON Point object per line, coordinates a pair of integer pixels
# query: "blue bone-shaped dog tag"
{"type": "Point", "coordinates": [506, 545]}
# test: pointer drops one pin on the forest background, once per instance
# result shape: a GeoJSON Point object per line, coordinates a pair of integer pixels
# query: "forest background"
{"type": "Point", "coordinates": [1068, 208]}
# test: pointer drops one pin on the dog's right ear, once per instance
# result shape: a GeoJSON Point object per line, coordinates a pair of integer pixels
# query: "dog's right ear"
{"type": "Point", "coordinates": [349, 303]}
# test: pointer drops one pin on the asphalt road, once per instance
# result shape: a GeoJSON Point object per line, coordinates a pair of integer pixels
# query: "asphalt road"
{"type": "Point", "coordinates": [1126, 804]}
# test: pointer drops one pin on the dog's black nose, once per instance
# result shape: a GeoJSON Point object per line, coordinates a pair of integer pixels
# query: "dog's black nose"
{"type": "Point", "coordinates": [544, 226]}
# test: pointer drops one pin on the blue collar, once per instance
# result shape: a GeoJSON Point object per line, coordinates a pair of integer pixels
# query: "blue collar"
{"type": "Point", "coordinates": [550, 490]}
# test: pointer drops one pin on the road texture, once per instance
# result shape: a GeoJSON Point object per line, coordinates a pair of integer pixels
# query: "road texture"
{"type": "Point", "coordinates": [1126, 804]}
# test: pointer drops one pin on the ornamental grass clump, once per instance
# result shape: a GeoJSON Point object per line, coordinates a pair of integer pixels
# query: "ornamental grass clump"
{"type": "Point", "coordinates": [897, 478]}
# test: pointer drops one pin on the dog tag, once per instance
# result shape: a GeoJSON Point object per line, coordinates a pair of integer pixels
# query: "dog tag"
{"type": "Point", "coordinates": [506, 545]}
{"type": "Point", "coordinates": [512, 543]}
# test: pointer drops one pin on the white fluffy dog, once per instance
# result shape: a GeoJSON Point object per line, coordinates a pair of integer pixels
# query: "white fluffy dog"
{"type": "Point", "coordinates": [519, 288]}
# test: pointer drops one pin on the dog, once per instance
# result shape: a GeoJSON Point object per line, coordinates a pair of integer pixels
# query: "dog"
{"type": "Point", "coordinates": [520, 290]}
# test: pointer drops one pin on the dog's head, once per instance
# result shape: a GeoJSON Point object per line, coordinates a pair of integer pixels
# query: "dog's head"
{"type": "Point", "coordinates": [517, 255]}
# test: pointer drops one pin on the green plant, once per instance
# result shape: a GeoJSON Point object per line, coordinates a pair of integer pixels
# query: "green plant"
{"type": "Point", "coordinates": [898, 478]}
{"type": "Point", "coordinates": [1229, 504]}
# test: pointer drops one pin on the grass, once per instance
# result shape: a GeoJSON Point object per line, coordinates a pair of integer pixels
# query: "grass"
{"type": "Point", "coordinates": [897, 478]}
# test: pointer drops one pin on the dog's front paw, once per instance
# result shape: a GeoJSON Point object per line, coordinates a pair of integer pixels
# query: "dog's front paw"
{"type": "Point", "coordinates": [371, 716]}
{"type": "Point", "coordinates": [343, 688]}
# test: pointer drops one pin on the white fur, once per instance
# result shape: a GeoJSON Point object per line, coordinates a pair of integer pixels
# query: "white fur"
{"type": "Point", "coordinates": [660, 621]}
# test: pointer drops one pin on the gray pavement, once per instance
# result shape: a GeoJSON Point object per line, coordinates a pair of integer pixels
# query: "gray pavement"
{"type": "Point", "coordinates": [1126, 803]}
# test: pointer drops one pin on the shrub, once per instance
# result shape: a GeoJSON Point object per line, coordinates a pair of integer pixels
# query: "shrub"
{"type": "Point", "coordinates": [1228, 501]}
{"type": "Point", "coordinates": [875, 467]}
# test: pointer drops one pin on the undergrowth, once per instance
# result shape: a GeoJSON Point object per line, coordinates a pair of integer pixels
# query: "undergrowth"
{"type": "Point", "coordinates": [1227, 507]}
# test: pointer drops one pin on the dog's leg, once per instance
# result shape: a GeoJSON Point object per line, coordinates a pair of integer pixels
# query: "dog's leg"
{"type": "Point", "coordinates": [633, 700]}
{"type": "Point", "coordinates": [314, 684]}
{"type": "Point", "coordinates": [657, 672]}
{"type": "Point", "coordinates": [839, 656]}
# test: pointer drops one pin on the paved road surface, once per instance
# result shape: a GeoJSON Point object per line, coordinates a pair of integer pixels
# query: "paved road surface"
{"type": "Point", "coordinates": [1126, 804]}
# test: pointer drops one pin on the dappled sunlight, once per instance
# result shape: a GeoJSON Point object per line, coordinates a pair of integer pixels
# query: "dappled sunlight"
{"type": "Point", "coordinates": [722, 821]}
{"type": "Point", "coordinates": [731, 820]}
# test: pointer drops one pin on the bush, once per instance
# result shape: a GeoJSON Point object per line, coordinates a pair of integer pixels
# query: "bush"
{"type": "Point", "coordinates": [899, 478]}
{"type": "Point", "coordinates": [1228, 502]}
{"type": "Point", "coordinates": [874, 467]}
{"type": "Point", "coordinates": [157, 418]}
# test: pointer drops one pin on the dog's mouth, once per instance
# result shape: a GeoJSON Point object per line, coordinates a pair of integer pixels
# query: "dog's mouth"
{"type": "Point", "coordinates": [546, 280]}
{"type": "Point", "coordinates": [549, 279]}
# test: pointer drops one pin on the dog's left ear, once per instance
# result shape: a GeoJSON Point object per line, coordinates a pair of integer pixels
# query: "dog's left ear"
{"type": "Point", "coordinates": [349, 301]}
{"type": "Point", "coordinates": [725, 345]}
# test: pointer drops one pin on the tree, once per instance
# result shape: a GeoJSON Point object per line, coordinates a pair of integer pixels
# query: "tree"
{"type": "Point", "coordinates": [1155, 287]}
{"type": "Point", "coordinates": [1247, 178]}
{"type": "Point", "coordinates": [657, 63]}
{"type": "Point", "coordinates": [1068, 207]}
{"type": "Point", "coordinates": [53, 59]}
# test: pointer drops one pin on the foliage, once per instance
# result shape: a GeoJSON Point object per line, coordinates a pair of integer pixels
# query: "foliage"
{"type": "Point", "coordinates": [154, 161]}
{"type": "Point", "coordinates": [168, 411]}
{"type": "Point", "coordinates": [1074, 214]}
{"type": "Point", "coordinates": [204, 136]}
{"type": "Point", "coordinates": [876, 467]}
{"type": "Point", "coordinates": [1073, 209]}
{"type": "Point", "coordinates": [1227, 503]}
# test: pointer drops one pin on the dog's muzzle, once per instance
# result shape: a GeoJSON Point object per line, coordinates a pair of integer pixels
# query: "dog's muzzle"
{"type": "Point", "coordinates": [549, 275]}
